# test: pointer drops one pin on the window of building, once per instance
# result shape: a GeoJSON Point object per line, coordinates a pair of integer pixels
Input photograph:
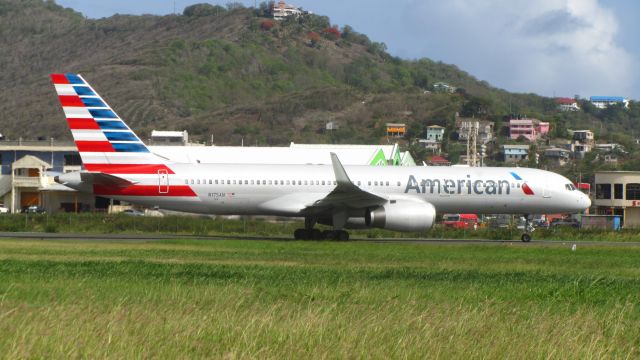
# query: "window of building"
{"type": "Point", "coordinates": [603, 191]}
{"type": "Point", "coordinates": [618, 191]}
{"type": "Point", "coordinates": [633, 191]}
{"type": "Point", "coordinates": [72, 160]}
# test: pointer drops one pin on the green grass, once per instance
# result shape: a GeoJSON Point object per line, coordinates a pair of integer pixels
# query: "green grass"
{"type": "Point", "coordinates": [96, 223]}
{"type": "Point", "coordinates": [262, 299]}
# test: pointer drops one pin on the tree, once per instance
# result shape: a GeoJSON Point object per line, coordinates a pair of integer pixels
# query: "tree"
{"type": "Point", "coordinates": [266, 25]}
{"type": "Point", "coordinates": [332, 33]}
{"type": "Point", "coordinates": [203, 10]}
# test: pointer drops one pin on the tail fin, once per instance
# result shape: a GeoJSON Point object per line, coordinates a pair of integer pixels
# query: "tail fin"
{"type": "Point", "coordinates": [105, 142]}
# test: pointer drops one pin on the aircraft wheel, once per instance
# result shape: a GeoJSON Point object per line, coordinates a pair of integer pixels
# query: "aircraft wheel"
{"type": "Point", "coordinates": [300, 234]}
{"type": "Point", "coordinates": [315, 234]}
{"type": "Point", "coordinates": [525, 237]}
{"type": "Point", "coordinates": [328, 235]}
{"type": "Point", "coordinates": [342, 235]}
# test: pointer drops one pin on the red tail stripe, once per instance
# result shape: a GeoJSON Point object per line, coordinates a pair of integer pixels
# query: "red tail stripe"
{"type": "Point", "coordinates": [94, 146]}
{"type": "Point", "coordinates": [71, 100]}
{"type": "Point", "coordinates": [59, 79]}
{"type": "Point", "coordinates": [82, 124]}
{"type": "Point", "coordinates": [128, 168]}
{"type": "Point", "coordinates": [143, 190]}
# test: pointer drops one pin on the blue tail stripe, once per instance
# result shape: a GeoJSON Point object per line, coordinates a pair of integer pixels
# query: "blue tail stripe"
{"type": "Point", "coordinates": [120, 136]}
{"type": "Point", "coordinates": [515, 176]}
{"type": "Point", "coordinates": [84, 91]}
{"type": "Point", "coordinates": [124, 147]}
{"type": "Point", "coordinates": [103, 114]}
{"type": "Point", "coordinates": [74, 79]}
{"type": "Point", "coordinates": [93, 102]}
{"type": "Point", "coordinates": [111, 125]}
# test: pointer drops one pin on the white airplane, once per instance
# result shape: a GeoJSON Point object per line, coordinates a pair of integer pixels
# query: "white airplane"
{"type": "Point", "coordinates": [118, 165]}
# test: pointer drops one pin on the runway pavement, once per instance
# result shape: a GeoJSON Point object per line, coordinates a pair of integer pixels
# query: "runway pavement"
{"type": "Point", "coordinates": [158, 237]}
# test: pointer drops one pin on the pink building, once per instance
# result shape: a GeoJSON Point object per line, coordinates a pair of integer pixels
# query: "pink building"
{"type": "Point", "coordinates": [531, 129]}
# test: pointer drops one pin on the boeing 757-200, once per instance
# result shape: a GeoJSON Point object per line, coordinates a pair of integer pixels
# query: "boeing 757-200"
{"type": "Point", "coordinates": [118, 165]}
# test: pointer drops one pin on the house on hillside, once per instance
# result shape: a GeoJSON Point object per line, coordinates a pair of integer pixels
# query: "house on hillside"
{"type": "Point", "coordinates": [396, 129]}
{"type": "Point", "coordinates": [602, 102]}
{"type": "Point", "coordinates": [442, 87]}
{"type": "Point", "coordinates": [485, 129]}
{"type": "Point", "coordinates": [515, 153]}
{"type": "Point", "coordinates": [531, 129]}
{"type": "Point", "coordinates": [282, 10]}
{"type": "Point", "coordinates": [435, 132]}
{"type": "Point", "coordinates": [567, 104]}
{"type": "Point", "coordinates": [431, 145]}
{"type": "Point", "coordinates": [557, 156]}
{"type": "Point", "coordinates": [437, 160]}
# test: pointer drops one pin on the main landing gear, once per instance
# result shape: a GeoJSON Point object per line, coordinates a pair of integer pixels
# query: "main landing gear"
{"type": "Point", "coordinates": [309, 233]}
{"type": "Point", "coordinates": [528, 229]}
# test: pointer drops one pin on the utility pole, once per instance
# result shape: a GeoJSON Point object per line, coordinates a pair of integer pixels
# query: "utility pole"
{"type": "Point", "coordinates": [472, 149]}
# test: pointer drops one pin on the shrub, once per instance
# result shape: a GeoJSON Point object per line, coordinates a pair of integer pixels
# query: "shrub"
{"type": "Point", "coordinates": [332, 33]}
{"type": "Point", "coordinates": [266, 25]}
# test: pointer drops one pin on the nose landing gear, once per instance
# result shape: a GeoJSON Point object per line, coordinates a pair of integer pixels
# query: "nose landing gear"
{"type": "Point", "coordinates": [528, 229]}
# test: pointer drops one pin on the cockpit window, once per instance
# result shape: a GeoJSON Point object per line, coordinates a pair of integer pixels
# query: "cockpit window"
{"type": "Point", "coordinates": [570, 187]}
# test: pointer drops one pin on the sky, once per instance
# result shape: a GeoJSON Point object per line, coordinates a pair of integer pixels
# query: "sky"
{"type": "Point", "coordinates": [548, 47]}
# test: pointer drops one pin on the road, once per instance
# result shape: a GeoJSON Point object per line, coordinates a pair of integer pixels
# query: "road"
{"type": "Point", "coordinates": [156, 237]}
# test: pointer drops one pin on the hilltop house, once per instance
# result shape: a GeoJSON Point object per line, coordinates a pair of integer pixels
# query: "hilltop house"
{"type": "Point", "coordinates": [567, 104]}
{"type": "Point", "coordinates": [602, 102]}
{"type": "Point", "coordinates": [442, 87]}
{"type": "Point", "coordinates": [396, 129]}
{"type": "Point", "coordinates": [282, 10]}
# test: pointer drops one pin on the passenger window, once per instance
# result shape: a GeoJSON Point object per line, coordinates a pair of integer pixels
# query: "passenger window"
{"type": "Point", "coordinates": [305, 182]}
{"type": "Point", "coordinates": [246, 182]}
{"type": "Point", "coordinates": [264, 182]}
{"type": "Point", "coordinates": [387, 183]}
{"type": "Point", "coordinates": [322, 182]}
{"type": "Point", "coordinates": [216, 181]}
{"type": "Point", "coordinates": [398, 183]}
{"type": "Point", "coordinates": [358, 183]}
{"type": "Point", "coordinates": [198, 181]}
{"type": "Point", "coordinates": [186, 182]}
{"type": "Point", "coordinates": [317, 182]}
{"type": "Point", "coordinates": [270, 182]}
{"type": "Point", "coordinates": [375, 183]}
{"type": "Point", "coordinates": [369, 183]}
{"type": "Point", "coordinates": [210, 182]}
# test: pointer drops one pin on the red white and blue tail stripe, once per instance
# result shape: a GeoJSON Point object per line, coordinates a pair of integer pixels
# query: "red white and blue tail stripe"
{"type": "Point", "coordinates": [108, 146]}
{"type": "Point", "coordinates": [104, 141]}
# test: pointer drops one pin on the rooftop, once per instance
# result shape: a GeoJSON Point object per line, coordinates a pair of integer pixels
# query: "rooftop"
{"type": "Point", "coordinates": [608, 98]}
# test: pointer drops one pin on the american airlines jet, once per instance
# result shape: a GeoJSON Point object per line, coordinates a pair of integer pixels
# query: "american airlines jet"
{"type": "Point", "coordinates": [118, 165]}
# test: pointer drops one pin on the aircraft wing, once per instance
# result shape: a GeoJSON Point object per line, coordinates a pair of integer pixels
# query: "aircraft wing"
{"type": "Point", "coordinates": [346, 194]}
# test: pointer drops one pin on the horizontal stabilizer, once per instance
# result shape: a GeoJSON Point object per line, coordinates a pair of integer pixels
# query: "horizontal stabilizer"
{"type": "Point", "coordinates": [105, 179]}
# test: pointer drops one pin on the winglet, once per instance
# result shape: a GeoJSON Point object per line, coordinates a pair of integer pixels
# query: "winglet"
{"type": "Point", "coordinates": [341, 176]}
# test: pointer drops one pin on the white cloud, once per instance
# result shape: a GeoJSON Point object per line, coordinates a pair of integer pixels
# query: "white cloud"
{"type": "Point", "coordinates": [564, 47]}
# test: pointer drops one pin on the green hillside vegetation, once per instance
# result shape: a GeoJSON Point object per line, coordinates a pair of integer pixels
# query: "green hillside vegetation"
{"type": "Point", "coordinates": [231, 73]}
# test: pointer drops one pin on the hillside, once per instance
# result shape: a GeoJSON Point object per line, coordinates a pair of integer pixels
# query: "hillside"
{"type": "Point", "coordinates": [219, 74]}
{"type": "Point", "coordinates": [231, 74]}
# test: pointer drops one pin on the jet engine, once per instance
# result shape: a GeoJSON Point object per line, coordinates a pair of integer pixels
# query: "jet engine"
{"type": "Point", "coordinates": [402, 215]}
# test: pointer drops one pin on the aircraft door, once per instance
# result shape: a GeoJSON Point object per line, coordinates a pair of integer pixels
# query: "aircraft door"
{"type": "Point", "coordinates": [546, 191]}
{"type": "Point", "coordinates": [163, 181]}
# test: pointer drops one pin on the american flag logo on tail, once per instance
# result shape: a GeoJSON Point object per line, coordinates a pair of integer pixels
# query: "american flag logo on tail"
{"type": "Point", "coordinates": [106, 144]}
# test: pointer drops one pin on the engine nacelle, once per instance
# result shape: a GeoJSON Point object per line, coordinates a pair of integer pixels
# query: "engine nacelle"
{"type": "Point", "coordinates": [402, 215]}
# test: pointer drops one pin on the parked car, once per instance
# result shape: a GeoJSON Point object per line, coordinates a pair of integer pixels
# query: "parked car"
{"type": "Point", "coordinates": [34, 209]}
{"type": "Point", "coordinates": [133, 212]}
{"type": "Point", "coordinates": [565, 222]}
{"type": "Point", "coordinates": [460, 221]}
{"type": "Point", "coordinates": [3, 209]}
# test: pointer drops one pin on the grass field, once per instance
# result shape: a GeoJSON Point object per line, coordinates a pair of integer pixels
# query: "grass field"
{"type": "Point", "coordinates": [262, 299]}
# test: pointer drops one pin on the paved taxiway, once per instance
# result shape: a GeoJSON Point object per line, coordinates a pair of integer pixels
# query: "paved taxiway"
{"type": "Point", "coordinates": [157, 237]}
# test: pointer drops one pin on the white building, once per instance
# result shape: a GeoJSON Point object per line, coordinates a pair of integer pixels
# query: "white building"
{"type": "Point", "coordinates": [292, 154]}
{"type": "Point", "coordinates": [282, 10]}
{"type": "Point", "coordinates": [176, 138]}
{"type": "Point", "coordinates": [602, 102]}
